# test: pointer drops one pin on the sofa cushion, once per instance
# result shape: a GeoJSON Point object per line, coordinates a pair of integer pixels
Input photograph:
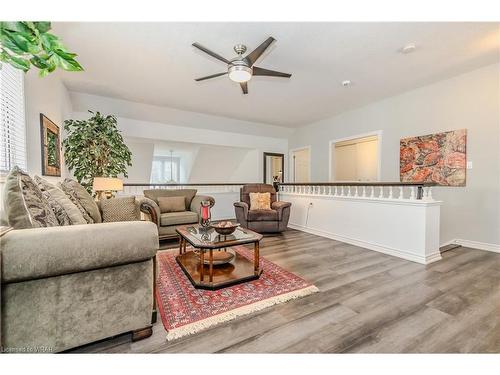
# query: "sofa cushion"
{"type": "Point", "coordinates": [65, 210]}
{"type": "Point", "coordinates": [178, 218]}
{"type": "Point", "coordinates": [24, 204]}
{"type": "Point", "coordinates": [119, 209]}
{"type": "Point", "coordinates": [262, 215]}
{"type": "Point", "coordinates": [260, 201]}
{"type": "Point", "coordinates": [82, 199]}
{"type": "Point", "coordinates": [172, 204]}
{"type": "Point", "coordinates": [154, 194]}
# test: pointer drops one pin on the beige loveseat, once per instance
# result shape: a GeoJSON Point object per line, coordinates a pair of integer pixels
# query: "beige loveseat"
{"type": "Point", "coordinates": [167, 221]}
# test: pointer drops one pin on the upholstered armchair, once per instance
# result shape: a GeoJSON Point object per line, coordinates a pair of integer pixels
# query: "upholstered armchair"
{"type": "Point", "coordinates": [262, 221]}
{"type": "Point", "coordinates": [168, 221]}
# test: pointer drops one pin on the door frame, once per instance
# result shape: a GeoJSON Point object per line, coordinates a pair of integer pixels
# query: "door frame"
{"type": "Point", "coordinates": [282, 165]}
{"type": "Point", "coordinates": [378, 133]}
{"type": "Point", "coordinates": [291, 162]}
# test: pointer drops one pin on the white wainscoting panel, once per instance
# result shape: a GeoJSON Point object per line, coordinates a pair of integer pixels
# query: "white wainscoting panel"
{"type": "Point", "coordinates": [405, 228]}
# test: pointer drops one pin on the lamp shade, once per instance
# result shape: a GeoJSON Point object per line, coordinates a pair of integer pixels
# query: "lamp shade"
{"type": "Point", "coordinates": [107, 184]}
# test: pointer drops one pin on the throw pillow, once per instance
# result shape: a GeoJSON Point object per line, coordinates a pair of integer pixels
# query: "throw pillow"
{"type": "Point", "coordinates": [24, 204]}
{"type": "Point", "coordinates": [67, 212]}
{"type": "Point", "coordinates": [119, 209]}
{"type": "Point", "coordinates": [172, 204]}
{"type": "Point", "coordinates": [260, 201]}
{"type": "Point", "coordinates": [188, 194]}
{"type": "Point", "coordinates": [77, 193]}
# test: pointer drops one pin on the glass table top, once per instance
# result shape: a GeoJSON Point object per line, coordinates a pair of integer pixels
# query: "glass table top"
{"type": "Point", "coordinates": [199, 236]}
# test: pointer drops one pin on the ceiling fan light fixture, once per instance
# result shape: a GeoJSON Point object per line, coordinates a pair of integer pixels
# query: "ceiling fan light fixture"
{"type": "Point", "coordinates": [240, 73]}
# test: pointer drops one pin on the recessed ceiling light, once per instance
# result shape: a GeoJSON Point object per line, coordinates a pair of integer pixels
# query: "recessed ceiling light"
{"type": "Point", "coordinates": [409, 48]}
{"type": "Point", "coordinates": [346, 83]}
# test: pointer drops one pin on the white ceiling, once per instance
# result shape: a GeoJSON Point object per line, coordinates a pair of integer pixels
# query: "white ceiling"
{"type": "Point", "coordinates": [155, 63]}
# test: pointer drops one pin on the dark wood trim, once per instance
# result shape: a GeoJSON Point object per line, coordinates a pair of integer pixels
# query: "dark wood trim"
{"type": "Point", "coordinates": [282, 166]}
{"type": "Point", "coordinates": [142, 333]}
{"type": "Point", "coordinates": [424, 184]}
{"type": "Point", "coordinates": [200, 184]}
{"type": "Point", "coordinates": [154, 314]}
{"type": "Point", "coordinates": [47, 124]}
{"type": "Point", "coordinates": [355, 183]}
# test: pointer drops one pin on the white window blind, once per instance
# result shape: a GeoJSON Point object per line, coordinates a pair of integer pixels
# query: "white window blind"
{"type": "Point", "coordinates": [12, 125]}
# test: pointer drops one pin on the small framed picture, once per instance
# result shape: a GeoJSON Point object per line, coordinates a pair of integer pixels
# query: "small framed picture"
{"type": "Point", "coordinates": [51, 147]}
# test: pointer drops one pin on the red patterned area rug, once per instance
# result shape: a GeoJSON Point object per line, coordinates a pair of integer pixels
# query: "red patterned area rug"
{"type": "Point", "coordinates": [186, 310]}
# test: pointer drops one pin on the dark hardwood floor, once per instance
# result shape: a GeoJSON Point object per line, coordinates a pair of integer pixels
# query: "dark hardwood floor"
{"type": "Point", "coordinates": [368, 302]}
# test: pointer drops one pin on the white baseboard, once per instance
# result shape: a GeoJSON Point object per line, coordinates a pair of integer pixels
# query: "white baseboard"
{"type": "Point", "coordinates": [478, 245]}
{"type": "Point", "coordinates": [370, 245]}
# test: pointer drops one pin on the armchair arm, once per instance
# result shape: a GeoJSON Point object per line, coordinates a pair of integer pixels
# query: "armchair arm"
{"type": "Point", "coordinates": [196, 203]}
{"type": "Point", "coordinates": [44, 252]}
{"type": "Point", "coordinates": [150, 208]}
{"type": "Point", "coordinates": [241, 210]}
{"type": "Point", "coordinates": [280, 206]}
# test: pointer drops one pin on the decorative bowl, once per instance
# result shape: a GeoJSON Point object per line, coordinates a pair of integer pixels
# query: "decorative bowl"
{"type": "Point", "coordinates": [225, 227]}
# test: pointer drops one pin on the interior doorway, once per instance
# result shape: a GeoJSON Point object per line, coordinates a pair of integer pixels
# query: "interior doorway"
{"type": "Point", "coordinates": [356, 158]}
{"type": "Point", "coordinates": [301, 164]}
{"type": "Point", "coordinates": [274, 168]}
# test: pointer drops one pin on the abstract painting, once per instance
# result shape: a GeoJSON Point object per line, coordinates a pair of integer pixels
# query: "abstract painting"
{"type": "Point", "coordinates": [435, 158]}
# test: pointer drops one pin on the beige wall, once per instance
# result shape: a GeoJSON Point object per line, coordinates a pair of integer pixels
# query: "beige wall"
{"type": "Point", "coordinates": [468, 101]}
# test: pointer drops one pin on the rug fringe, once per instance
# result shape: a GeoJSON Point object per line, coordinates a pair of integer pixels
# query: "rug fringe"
{"type": "Point", "coordinates": [196, 327]}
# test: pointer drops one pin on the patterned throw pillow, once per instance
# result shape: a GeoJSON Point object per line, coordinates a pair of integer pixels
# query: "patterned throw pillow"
{"type": "Point", "coordinates": [85, 199]}
{"type": "Point", "coordinates": [72, 196]}
{"type": "Point", "coordinates": [66, 212]}
{"type": "Point", "coordinates": [119, 209]}
{"type": "Point", "coordinates": [24, 204]}
{"type": "Point", "coordinates": [260, 201]}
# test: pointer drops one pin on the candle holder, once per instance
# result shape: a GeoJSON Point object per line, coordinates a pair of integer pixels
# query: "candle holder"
{"type": "Point", "coordinates": [205, 214]}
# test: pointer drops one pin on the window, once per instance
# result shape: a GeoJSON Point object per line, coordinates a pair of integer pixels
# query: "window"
{"type": "Point", "coordinates": [12, 126]}
{"type": "Point", "coordinates": [166, 169]}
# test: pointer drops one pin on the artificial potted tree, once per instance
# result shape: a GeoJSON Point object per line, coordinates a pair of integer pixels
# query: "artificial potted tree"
{"type": "Point", "coordinates": [95, 148]}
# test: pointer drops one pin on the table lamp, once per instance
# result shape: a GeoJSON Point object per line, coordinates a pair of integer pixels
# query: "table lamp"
{"type": "Point", "coordinates": [105, 186]}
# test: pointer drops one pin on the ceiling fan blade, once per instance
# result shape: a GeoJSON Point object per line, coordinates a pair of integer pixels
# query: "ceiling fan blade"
{"type": "Point", "coordinates": [252, 57]}
{"type": "Point", "coordinates": [271, 73]}
{"type": "Point", "coordinates": [212, 76]}
{"type": "Point", "coordinates": [211, 53]}
{"type": "Point", "coordinates": [244, 87]}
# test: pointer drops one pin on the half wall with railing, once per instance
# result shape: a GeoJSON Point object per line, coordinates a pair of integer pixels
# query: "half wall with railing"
{"type": "Point", "coordinates": [399, 219]}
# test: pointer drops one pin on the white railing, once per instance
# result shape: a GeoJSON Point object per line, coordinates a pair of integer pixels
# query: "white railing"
{"type": "Point", "coordinates": [138, 188]}
{"type": "Point", "coordinates": [382, 190]}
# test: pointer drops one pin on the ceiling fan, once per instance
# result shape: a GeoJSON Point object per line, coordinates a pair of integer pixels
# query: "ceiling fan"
{"type": "Point", "coordinates": [241, 69]}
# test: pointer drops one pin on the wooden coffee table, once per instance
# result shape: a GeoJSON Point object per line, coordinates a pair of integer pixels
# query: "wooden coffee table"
{"type": "Point", "coordinates": [205, 243]}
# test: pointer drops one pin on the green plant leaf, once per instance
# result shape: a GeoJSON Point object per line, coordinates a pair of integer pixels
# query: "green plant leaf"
{"type": "Point", "coordinates": [20, 27]}
{"type": "Point", "coordinates": [43, 72]}
{"type": "Point", "coordinates": [8, 44]}
{"type": "Point", "coordinates": [42, 26]}
{"type": "Point", "coordinates": [64, 54]}
{"type": "Point", "coordinates": [19, 63]}
{"type": "Point", "coordinates": [20, 41]}
{"type": "Point", "coordinates": [31, 42]}
{"type": "Point", "coordinates": [39, 62]}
